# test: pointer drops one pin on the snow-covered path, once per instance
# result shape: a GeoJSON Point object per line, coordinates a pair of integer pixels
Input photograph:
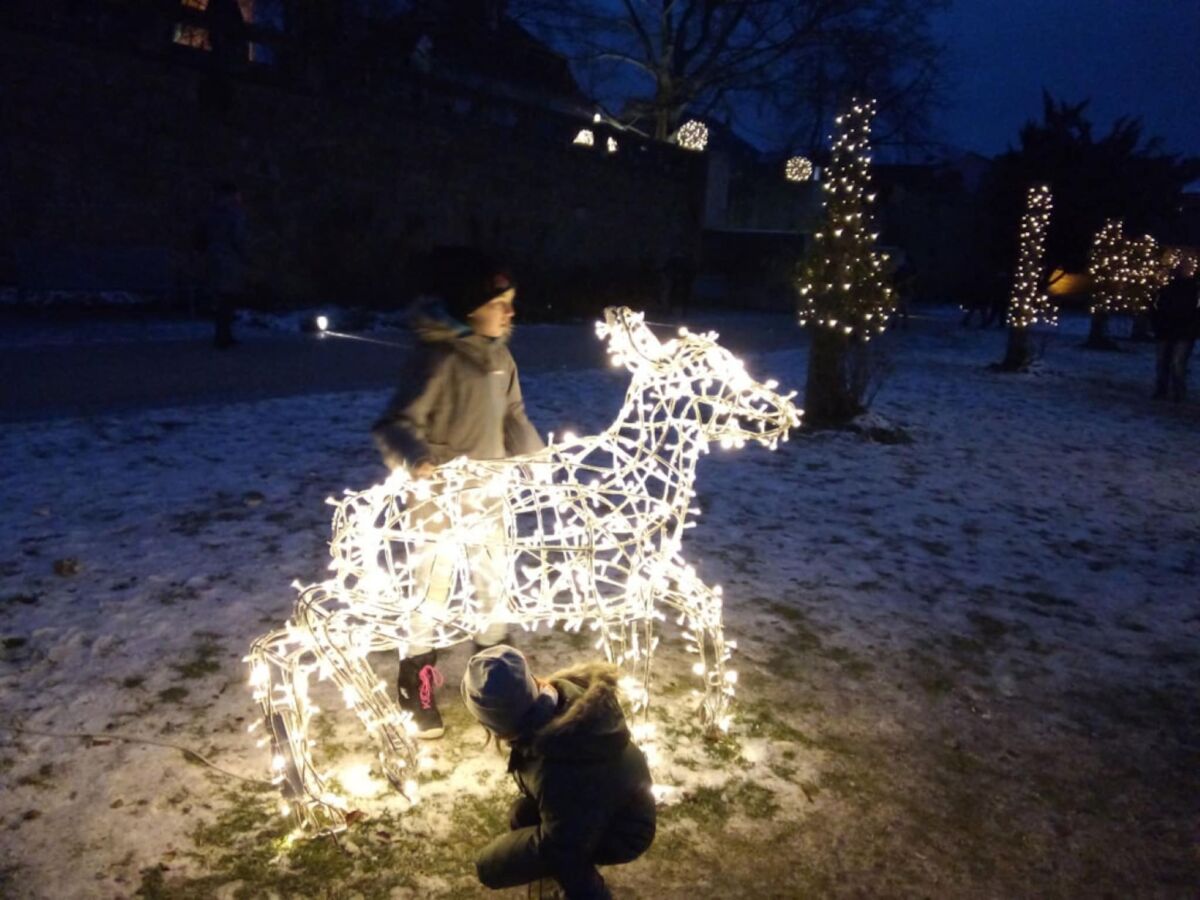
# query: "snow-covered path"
{"type": "Point", "coordinates": [1001, 615]}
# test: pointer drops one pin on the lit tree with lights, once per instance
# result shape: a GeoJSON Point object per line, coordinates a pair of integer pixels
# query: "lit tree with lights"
{"type": "Point", "coordinates": [1126, 273]}
{"type": "Point", "coordinates": [1145, 273]}
{"type": "Point", "coordinates": [844, 296]}
{"type": "Point", "coordinates": [1029, 303]}
{"type": "Point", "coordinates": [1106, 266]}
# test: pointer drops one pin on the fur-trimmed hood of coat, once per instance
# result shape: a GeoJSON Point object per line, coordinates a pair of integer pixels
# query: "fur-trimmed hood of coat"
{"type": "Point", "coordinates": [588, 723]}
{"type": "Point", "coordinates": [434, 327]}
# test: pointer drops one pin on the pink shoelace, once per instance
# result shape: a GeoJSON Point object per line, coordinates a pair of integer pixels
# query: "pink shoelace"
{"type": "Point", "coordinates": [430, 679]}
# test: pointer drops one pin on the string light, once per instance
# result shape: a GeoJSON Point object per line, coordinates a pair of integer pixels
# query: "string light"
{"type": "Point", "coordinates": [798, 168]}
{"type": "Point", "coordinates": [612, 145]}
{"type": "Point", "coordinates": [585, 138]}
{"type": "Point", "coordinates": [842, 284]}
{"type": "Point", "coordinates": [1126, 272]}
{"type": "Point", "coordinates": [1030, 303]}
{"type": "Point", "coordinates": [590, 530]}
{"type": "Point", "coordinates": [692, 135]}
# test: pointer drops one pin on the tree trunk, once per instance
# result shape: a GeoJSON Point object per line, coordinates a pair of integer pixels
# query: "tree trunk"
{"type": "Point", "coordinates": [829, 400]}
{"type": "Point", "coordinates": [1098, 338]}
{"type": "Point", "coordinates": [1017, 355]}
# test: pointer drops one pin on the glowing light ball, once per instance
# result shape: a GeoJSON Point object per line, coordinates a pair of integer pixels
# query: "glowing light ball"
{"type": "Point", "coordinates": [692, 135]}
{"type": "Point", "coordinates": [589, 532]}
{"type": "Point", "coordinates": [798, 168]}
{"type": "Point", "coordinates": [585, 138]}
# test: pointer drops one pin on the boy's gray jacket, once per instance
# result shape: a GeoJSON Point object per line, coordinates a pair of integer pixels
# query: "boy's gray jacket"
{"type": "Point", "coordinates": [459, 397]}
{"type": "Point", "coordinates": [592, 789]}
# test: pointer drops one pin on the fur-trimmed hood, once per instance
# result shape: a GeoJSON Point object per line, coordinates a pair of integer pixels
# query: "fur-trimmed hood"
{"type": "Point", "coordinates": [588, 723]}
{"type": "Point", "coordinates": [435, 327]}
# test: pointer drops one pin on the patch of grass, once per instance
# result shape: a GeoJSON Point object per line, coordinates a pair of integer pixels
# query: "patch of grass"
{"type": "Point", "coordinates": [753, 800]}
{"type": "Point", "coordinates": [930, 675]}
{"type": "Point", "coordinates": [42, 778]}
{"type": "Point", "coordinates": [850, 662]}
{"type": "Point", "coordinates": [246, 848]}
{"type": "Point", "coordinates": [801, 635]}
{"type": "Point", "coordinates": [724, 749]}
{"type": "Point", "coordinates": [1041, 598]}
{"type": "Point", "coordinates": [203, 661]}
{"type": "Point", "coordinates": [172, 694]}
{"type": "Point", "coordinates": [990, 629]}
{"type": "Point", "coordinates": [133, 681]}
{"type": "Point", "coordinates": [177, 592]}
{"type": "Point", "coordinates": [759, 720]}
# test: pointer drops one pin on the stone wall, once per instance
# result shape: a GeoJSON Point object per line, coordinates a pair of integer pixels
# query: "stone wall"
{"type": "Point", "coordinates": [117, 148]}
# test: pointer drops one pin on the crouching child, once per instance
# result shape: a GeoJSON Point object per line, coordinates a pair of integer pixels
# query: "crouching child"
{"type": "Point", "coordinates": [585, 798]}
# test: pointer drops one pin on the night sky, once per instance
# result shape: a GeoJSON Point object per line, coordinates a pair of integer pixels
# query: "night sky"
{"type": "Point", "coordinates": [1131, 57]}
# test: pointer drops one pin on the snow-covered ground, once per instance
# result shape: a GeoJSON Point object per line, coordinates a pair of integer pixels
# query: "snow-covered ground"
{"type": "Point", "coordinates": [968, 662]}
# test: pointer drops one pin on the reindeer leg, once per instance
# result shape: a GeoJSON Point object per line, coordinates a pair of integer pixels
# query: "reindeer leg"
{"type": "Point", "coordinates": [280, 664]}
{"type": "Point", "coordinates": [700, 609]}
{"type": "Point", "coordinates": [342, 643]}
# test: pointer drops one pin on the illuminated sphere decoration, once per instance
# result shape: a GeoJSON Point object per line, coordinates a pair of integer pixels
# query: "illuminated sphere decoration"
{"type": "Point", "coordinates": [692, 135]}
{"type": "Point", "coordinates": [590, 531]}
{"type": "Point", "coordinates": [798, 168]}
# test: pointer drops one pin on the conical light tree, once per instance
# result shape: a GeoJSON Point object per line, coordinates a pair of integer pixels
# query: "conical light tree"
{"type": "Point", "coordinates": [844, 294]}
{"type": "Point", "coordinates": [1029, 303]}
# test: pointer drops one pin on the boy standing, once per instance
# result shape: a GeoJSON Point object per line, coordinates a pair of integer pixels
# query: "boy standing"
{"type": "Point", "coordinates": [460, 397]}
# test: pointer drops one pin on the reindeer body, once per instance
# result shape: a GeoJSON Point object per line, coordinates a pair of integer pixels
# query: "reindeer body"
{"type": "Point", "coordinates": [587, 531]}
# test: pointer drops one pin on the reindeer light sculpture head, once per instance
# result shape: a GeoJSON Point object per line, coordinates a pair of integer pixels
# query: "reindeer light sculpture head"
{"type": "Point", "coordinates": [730, 407]}
{"type": "Point", "coordinates": [588, 531]}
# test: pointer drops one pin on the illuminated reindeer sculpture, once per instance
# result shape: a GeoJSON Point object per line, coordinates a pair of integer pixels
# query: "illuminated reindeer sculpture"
{"type": "Point", "coordinates": [588, 531]}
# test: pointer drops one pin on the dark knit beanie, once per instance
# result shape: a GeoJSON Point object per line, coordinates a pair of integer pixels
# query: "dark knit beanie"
{"type": "Point", "coordinates": [463, 278]}
{"type": "Point", "coordinates": [499, 691]}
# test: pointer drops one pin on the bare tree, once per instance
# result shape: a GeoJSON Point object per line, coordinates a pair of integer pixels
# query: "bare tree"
{"type": "Point", "coordinates": [779, 66]}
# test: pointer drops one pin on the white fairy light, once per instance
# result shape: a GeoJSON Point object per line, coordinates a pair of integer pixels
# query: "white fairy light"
{"type": "Point", "coordinates": [1126, 272]}
{"type": "Point", "coordinates": [612, 145]}
{"type": "Point", "coordinates": [692, 135]}
{"type": "Point", "coordinates": [798, 168]}
{"type": "Point", "coordinates": [585, 138]}
{"type": "Point", "coordinates": [589, 530]}
{"type": "Point", "coordinates": [1030, 303]}
{"type": "Point", "coordinates": [844, 277]}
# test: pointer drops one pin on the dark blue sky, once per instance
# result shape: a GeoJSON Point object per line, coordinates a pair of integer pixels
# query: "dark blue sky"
{"type": "Point", "coordinates": [1131, 57]}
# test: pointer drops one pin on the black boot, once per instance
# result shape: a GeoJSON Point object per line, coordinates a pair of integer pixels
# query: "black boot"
{"type": "Point", "coordinates": [416, 686]}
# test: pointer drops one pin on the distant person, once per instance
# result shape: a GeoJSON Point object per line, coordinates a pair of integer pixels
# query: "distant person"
{"type": "Point", "coordinates": [904, 281]}
{"type": "Point", "coordinates": [223, 241]}
{"type": "Point", "coordinates": [460, 396]}
{"type": "Point", "coordinates": [585, 789]}
{"type": "Point", "coordinates": [1176, 323]}
{"type": "Point", "coordinates": [998, 298]}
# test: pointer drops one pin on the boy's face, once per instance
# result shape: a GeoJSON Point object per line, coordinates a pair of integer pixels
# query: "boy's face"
{"type": "Point", "coordinates": [494, 318]}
